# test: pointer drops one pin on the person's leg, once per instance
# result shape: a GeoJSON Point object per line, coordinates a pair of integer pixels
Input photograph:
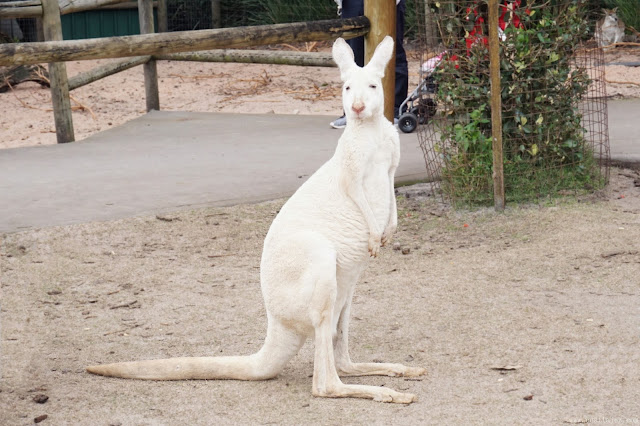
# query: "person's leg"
{"type": "Point", "coordinates": [402, 68]}
{"type": "Point", "coordinates": [351, 9]}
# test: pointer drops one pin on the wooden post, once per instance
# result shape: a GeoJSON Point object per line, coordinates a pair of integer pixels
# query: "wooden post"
{"type": "Point", "coordinates": [52, 28]}
{"type": "Point", "coordinates": [145, 14]}
{"type": "Point", "coordinates": [382, 15]}
{"type": "Point", "coordinates": [40, 29]}
{"type": "Point", "coordinates": [216, 16]}
{"type": "Point", "coordinates": [430, 26]}
{"type": "Point", "coordinates": [496, 107]}
{"type": "Point", "coordinates": [163, 21]}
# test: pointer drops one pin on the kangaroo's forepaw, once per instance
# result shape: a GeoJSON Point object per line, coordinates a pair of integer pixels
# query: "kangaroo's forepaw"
{"type": "Point", "coordinates": [387, 235]}
{"type": "Point", "coordinates": [374, 245]}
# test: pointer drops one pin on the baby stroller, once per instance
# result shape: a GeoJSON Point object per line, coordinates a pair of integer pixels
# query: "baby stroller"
{"type": "Point", "coordinates": [420, 105]}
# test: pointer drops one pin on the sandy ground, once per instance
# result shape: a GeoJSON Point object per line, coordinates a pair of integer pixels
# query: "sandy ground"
{"type": "Point", "coordinates": [26, 118]}
{"type": "Point", "coordinates": [526, 317]}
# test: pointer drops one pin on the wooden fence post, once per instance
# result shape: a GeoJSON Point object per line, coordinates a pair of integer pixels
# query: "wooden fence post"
{"type": "Point", "coordinates": [382, 15]}
{"type": "Point", "coordinates": [496, 107]}
{"type": "Point", "coordinates": [145, 14]}
{"type": "Point", "coordinates": [216, 14]}
{"type": "Point", "coordinates": [163, 22]}
{"type": "Point", "coordinates": [52, 28]}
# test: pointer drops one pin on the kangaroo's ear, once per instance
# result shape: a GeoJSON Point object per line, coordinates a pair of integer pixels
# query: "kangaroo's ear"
{"type": "Point", "coordinates": [343, 56]}
{"type": "Point", "coordinates": [381, 57]}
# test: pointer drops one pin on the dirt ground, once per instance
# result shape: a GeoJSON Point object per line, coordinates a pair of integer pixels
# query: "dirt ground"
{"type": "Point", "coordinates": [526, 317]}
{"type": "Point", "coordinates": [26, 118]}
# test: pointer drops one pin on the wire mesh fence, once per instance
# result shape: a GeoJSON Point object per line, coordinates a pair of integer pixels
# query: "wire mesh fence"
{"type": "Point", "coordinates": [184, 15]}
{"type": "Point", "coordinates": [21, 29]}
{"type": "Point", "coordinates": [554, 113]}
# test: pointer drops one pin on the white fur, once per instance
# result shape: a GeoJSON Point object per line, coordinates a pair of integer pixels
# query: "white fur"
{"type": "Point", "coordinates": [315, 251]}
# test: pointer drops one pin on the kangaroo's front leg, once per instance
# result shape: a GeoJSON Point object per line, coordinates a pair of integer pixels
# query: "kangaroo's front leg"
{"type": "Point", "coordinates": [353, 184]}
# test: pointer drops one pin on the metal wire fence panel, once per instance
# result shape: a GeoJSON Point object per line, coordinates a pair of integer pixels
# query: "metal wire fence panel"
{"type": "Point", "coordinates": [554, 116]}
{"type": "Point", "coordinates": [184, 15]}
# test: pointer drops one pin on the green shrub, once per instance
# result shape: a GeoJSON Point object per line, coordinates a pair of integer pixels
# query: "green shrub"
{"type": "Point", "coordinates": [544, 144]}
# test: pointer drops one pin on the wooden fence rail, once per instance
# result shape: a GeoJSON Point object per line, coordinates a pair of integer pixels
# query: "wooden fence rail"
{"type": "Point", "coordinates": [180, 41]}
{"type": "Point", "coordinates": [312, 59]}
{"type": "Point", "coordinates": [33, 8]}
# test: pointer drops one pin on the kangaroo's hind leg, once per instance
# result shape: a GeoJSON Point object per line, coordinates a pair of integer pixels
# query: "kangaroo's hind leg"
{"type": "Point", "coordinates": [326, 382]}
{"type": "Point", "coordinates": [341, 344]}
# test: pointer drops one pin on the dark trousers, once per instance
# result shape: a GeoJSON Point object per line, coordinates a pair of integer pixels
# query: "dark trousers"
{"type": "Point", "coordinates": [353, 8]}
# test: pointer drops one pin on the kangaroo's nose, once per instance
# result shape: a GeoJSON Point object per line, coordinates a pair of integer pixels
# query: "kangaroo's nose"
{"type": "Point", "coordinates": [357, 107]}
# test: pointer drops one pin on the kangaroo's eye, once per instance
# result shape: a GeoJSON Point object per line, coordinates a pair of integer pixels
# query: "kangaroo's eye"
{"type": "Point", "coordinates": [373, 86]}
{"type": "Point", "coordinates": [347, 88]}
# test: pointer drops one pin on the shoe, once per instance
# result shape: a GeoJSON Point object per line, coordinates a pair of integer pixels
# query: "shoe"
{"type": "Point", "coordinates": [395, 121]}
{"type": "Point", "coordinates": [339, 123]}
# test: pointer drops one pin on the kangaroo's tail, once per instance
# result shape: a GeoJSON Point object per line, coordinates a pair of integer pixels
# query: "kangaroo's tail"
{"type": "Point", "coordinates": [227, 367]}
{"type": "Point", "coordinates": [279, 347]}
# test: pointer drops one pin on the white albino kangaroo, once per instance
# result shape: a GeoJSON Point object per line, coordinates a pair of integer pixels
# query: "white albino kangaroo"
{"type": "Point", "coordinates": [315, 251]}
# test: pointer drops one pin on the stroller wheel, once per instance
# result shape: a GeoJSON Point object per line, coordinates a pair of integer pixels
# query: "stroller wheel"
{"type": "Point", "coordinates": [407, 122]}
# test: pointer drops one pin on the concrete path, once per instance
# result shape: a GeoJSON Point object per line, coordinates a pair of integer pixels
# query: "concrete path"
{"type": "Point", "coordinates": [165, 161]}
{"type": "Point", "coordinates": [624, 131]}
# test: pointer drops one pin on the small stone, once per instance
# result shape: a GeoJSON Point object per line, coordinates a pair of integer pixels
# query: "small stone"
{"type": "Point", "coordinates": [397, 246]}
{"type": "Point", "coordinates": [40, 398]}
{"type": "Point", "coordinates": [406, 250]}
{"type": "Point", "coordinates": [40, 418]}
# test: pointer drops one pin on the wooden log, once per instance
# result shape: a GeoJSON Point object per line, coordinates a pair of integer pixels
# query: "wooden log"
{"type": "Point", "coordinates": [22, 3]}
{"type": "Point", "coordinates": [20, 11]}
{"type": "Point", "coordinates": [314, 59]}
{"type": "Point", "coordinates": [15, 75]}
{"type": "Point", "coordinates": [382, 14]}
{"type": "Point", "coordinates": [145, 14]}
{"type": "Point", "coordinates": [58, 75]}
{"type": "Point", "coordinates": [180, 41]}
{"type": "Point", "coordinates": [496, 107]}
{"type": "Point", "coordinates": [105, 70]}
{"type": "Point", "coordinates": [33, 9]}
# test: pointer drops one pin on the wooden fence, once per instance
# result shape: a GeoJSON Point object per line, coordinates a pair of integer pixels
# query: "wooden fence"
{"type": "Point", "coordinates": [150, 46]}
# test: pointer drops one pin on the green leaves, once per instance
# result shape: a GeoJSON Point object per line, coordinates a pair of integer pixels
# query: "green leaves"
{"type": "Point", "coordinates": [540, 90]}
